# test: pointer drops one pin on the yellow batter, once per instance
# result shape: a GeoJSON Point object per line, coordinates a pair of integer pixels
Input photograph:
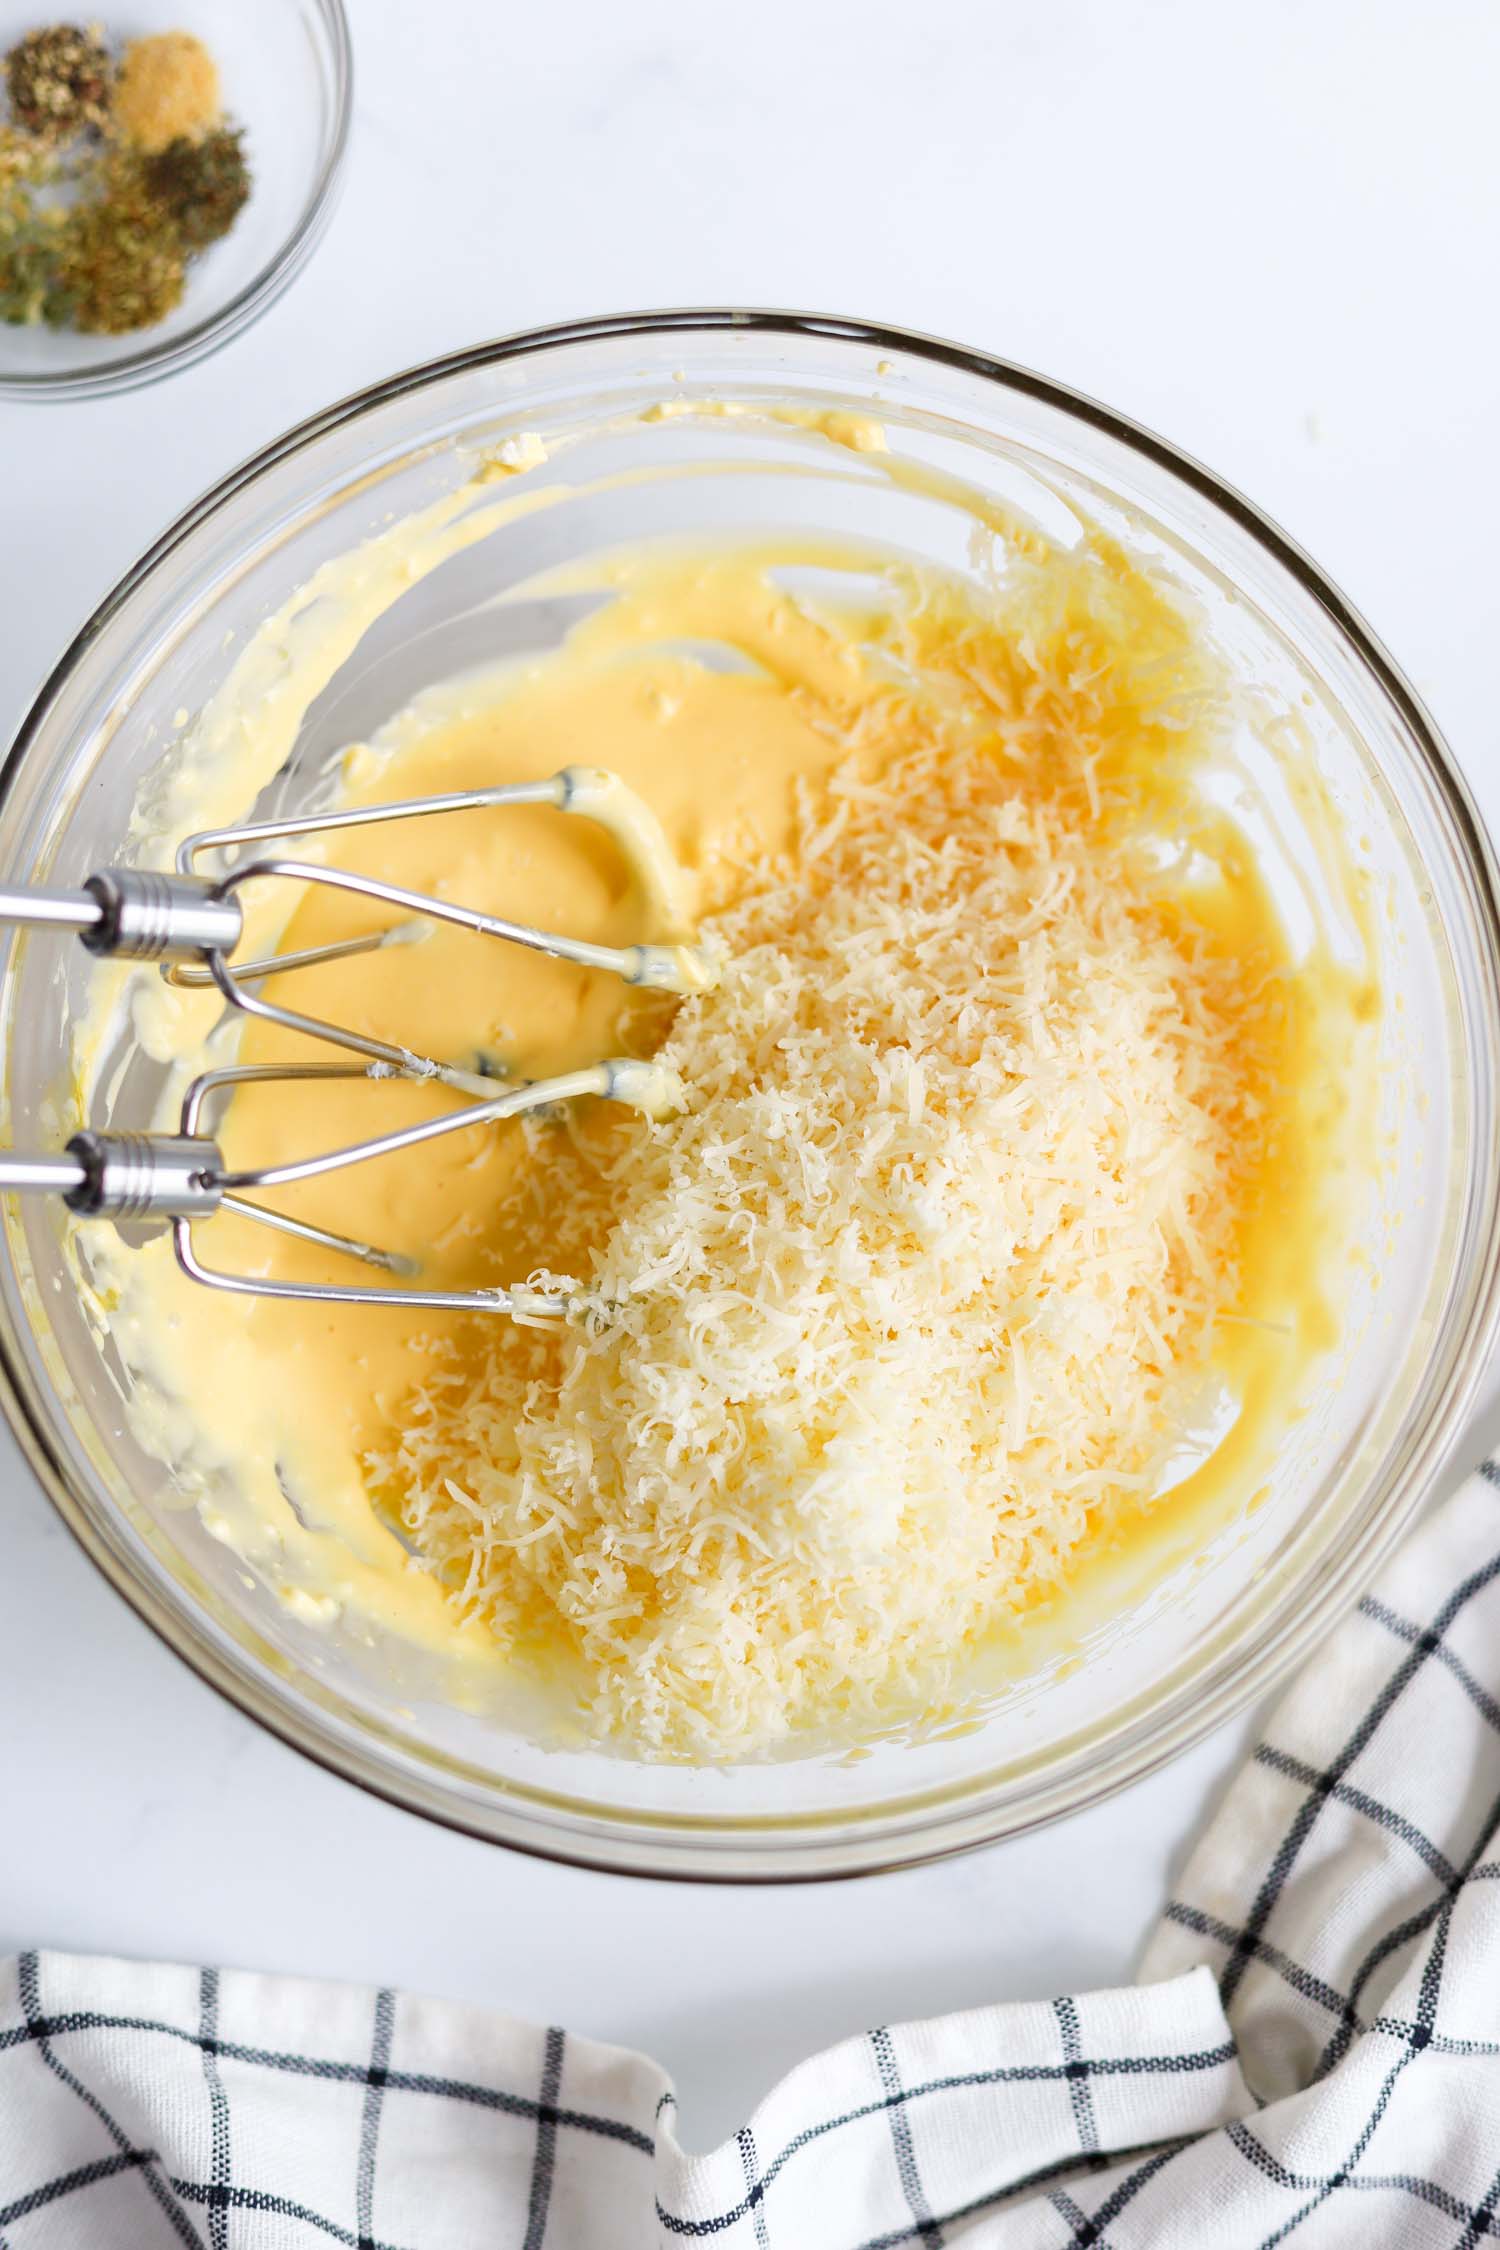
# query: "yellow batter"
{"type": "Point", "coordinates": [293, 1401]}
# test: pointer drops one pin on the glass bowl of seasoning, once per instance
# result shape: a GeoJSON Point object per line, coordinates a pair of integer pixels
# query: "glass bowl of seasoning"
{"type": "Point", "coordinates": [164, 173]}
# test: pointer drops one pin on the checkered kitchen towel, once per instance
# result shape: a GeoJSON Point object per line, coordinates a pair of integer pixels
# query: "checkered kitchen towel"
{"type": "Point", "coordinates": [1313, 2052]}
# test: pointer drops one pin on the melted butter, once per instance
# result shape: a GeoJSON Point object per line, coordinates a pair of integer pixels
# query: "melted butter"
{"type": "Point", "coordinates": [860, 433]}
{"type": "Point", "coordinates": [265, 1409]}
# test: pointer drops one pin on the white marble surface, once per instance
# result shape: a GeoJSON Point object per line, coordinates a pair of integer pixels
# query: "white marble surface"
{"type": "Point", "coordinates": [1266, 230]}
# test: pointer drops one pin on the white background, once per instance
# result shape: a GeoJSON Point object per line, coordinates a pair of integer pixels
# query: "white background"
{"type": "Point", "coordinates": [1271, 232]}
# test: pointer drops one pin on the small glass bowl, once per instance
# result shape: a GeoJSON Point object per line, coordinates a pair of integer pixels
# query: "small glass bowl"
{"type": "Point", "coordinates": [1170, 1660]}
{"type": "Point", "coordinates": [287, 77]}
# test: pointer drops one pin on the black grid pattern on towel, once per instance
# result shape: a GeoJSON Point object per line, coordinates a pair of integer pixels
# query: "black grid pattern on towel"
{"type": "Point", "coordinates": [559, 2133]}
{"type": "Point", "coordinates": [134, 2169]}
{"type": "Point", "coordinates": [1386, 1979]}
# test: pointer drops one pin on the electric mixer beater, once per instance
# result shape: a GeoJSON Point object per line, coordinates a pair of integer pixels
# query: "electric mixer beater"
{"type": "Point", "coordinates": [192, 922]}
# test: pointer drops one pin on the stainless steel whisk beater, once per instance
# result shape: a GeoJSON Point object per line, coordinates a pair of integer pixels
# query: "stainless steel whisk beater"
{"type": "Point", "coordinates": [192, 922]}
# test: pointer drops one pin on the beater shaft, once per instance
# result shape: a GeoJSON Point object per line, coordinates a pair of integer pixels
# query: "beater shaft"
{"type": "Point", "coordinates": [58, 1175]}
{"type": "Point", "coordinates": [135, 914]}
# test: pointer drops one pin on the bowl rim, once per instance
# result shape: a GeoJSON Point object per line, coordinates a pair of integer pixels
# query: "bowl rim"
{"type": "Point", "coordinates": [208, 335]}
{"type": "Point", "coordinates": [1248, 1674]}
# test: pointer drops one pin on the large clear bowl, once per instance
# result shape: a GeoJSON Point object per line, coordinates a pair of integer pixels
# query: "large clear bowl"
{"type": "Point", "coordinates": [1174, 1659]}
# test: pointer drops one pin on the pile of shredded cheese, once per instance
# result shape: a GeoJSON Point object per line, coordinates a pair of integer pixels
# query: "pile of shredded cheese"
{"type": "Point", "coordinates": [920, 1283]}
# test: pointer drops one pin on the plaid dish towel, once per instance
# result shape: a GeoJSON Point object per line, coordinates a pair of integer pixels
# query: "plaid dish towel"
{"type": "Point", "coordinates": [1313, 2053]}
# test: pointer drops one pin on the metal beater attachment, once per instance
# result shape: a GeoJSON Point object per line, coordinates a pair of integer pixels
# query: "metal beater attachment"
{"type": "Point", "coordinates": [193, 921]}
{"type": "Point", "coordinates": [182, 1177]}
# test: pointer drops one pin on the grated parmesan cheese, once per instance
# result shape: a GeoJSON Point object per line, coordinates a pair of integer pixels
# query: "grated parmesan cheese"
{"type": "Point", "coordinates": [917, 1285]}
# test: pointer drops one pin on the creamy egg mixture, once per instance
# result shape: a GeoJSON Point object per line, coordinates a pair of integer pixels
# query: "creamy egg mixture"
{"type": "Point", "coordinates": [749, 717]}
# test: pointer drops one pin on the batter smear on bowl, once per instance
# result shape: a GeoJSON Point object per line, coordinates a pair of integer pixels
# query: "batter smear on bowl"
{"type": "Point", "coordinates": [993, 1223]}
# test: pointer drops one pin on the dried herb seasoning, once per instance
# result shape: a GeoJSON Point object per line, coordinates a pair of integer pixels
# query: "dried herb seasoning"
{"type": "Point", "coordinates": [112, 178]}
{"type": "Point", "coordinates": [118, 263]}
{"type": "Point", "coordinates": [26, 227]}
{"type": "Point", "coordinates": [25, 279]}
{"type": "Point", "coordinates": [204, 185]}
{"type": "Point", "coordinates": [25, 164]}
{"type": "Point", "coordinates": [59, 82]}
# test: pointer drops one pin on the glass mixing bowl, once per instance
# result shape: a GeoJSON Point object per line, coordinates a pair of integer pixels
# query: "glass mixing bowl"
{"type": "Point", "coordinates": [1177, 1657]}
{"type": "Point", "coordinates": [286, 70]}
